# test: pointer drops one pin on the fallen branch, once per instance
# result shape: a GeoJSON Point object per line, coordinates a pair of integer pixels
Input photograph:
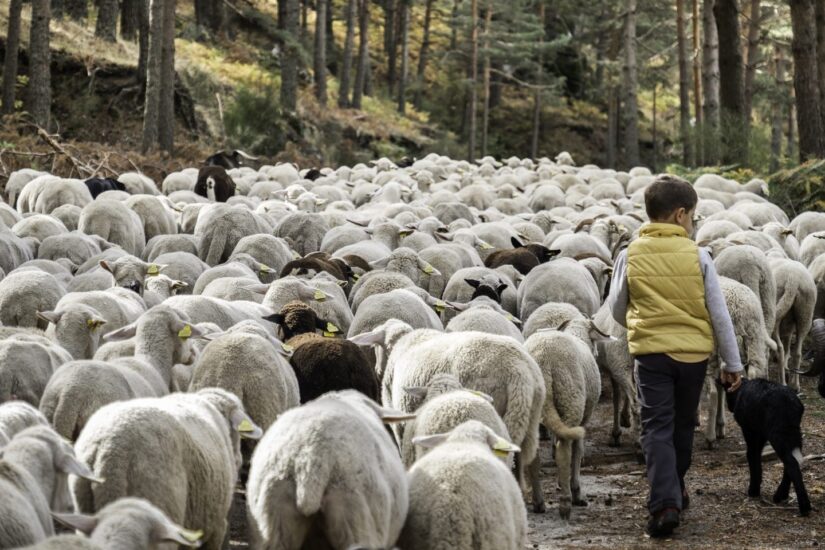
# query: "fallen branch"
{"type": "Point", "coordinates": [78, 165]}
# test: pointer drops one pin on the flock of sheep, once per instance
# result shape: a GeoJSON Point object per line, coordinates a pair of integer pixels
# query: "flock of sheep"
{"type": "Point", "coordinates": [159, 342]}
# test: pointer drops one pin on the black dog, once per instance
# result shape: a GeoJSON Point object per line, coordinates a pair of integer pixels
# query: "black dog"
{"type": "Point", "coordinates": [770, 412]}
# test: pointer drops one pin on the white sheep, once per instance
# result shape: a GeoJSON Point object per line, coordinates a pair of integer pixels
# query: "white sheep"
{"type": "Point", "coordinates": [162, 244]}
{"type": "Point", "coordinates": [560, 280]}
{"type": "Point", "coordinates": [189, 469]}
{"type": "Point", "coordinates": [155, 217]}
{"type": "Point", "coordinates": [749, 266]}
{"type": "Point", "coordinates": [16, 416]}
{"type": "Point", "coordinates": [483, 314]}
{"type": "Point", "coordinates": [27, 361]}
{"type": "Point", "coordinates": [114, 222]}
{"type": "Point", "coordinates": [221, 226]}
{"type": "Point", "coordinates": [310, 477]}
{"type": "Point", "coordinates": [462, 496]}
{"type": "Point", "coordinates": [402, 304]}
{"type": "Point", "coordinates": [796, 296]}
{"type": "Point", "coordinates": [24, 293]}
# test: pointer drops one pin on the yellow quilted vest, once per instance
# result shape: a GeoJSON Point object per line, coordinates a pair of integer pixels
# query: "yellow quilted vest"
{"type": "Point", "coordinates": [666, 310]}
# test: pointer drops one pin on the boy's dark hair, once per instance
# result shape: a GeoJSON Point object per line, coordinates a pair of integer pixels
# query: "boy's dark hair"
{"type": "Point", "coordinates": [667, 194]}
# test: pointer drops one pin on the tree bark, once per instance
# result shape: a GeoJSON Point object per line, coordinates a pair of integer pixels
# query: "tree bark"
{"type": "Point", "coordinates": [363, 53]}
{"type": "Point", "coordinates": [129, 19]}
{"type": "Point", "coordinates": [392, 45]}
{"type": "Point", "coordinates": [143, 42]}
{"type": "Point", "coordinates": [454, 27]}
{"type": "Point", "coordinates": [791, 152]}
{"type": "Point", "coordinates": [655, 133]}
{"type": "Point", "coordinates": [320, 51]}
{"type": "Point", "coordinates": [10, 60]}
{"type": "Point", "coordinates": [405, 45]}
{"type": "Point", "coordinates": [58, 9]}
{"type": "Point", "coordinates": [777, 110]}
{"type": "Point", "coordinates": [389, 25]}
{"type": "Point", "coordinates": [732, 83]}
{"type": "Point", "coordinates": [684, 87]}
{"type": "Point", "coordinates": [304, 18]}
{"type": "Point", "coordinates": [346, 65]}
{"type": "Point", "coordinates": [106, 24]}
{"type": "Point", "coordinates": [331, 57]}
{"type": "Point", "coordinates": [472, 108]}
{"type": "Point", "coordinates": [289, 59]}
{"type": "Point", "coordinates": [77, 9]}
{"type": "Point", "coordinates": [710, 85]}
{"type": "Point", "coordinates": [612, 126]}
{"type": "Point", "coordinates": [630, 74]}
{"type": "Point", "coordinates": [166, 104]}
{"type": "Point", "coordinates": [282, 14]}
{"type": "Point", "coordinates": [422, 56]}
{"type": "Point", "coordinates": [151, 105]}
{"type": "Point", "coordinates": [485, 77]}
{"type": "Point", "coordinates": [753, 58]}
{"type": "Point", "coordinates": [806, 80]}
{"type": "Point", "coordinates": [820, 54]}
{"type": "Point", "coordinates": [534, 141]}
{"type": "Point", "coordinates": [697, 87]}
{"type": "Point", "coordinates": [40, 80]}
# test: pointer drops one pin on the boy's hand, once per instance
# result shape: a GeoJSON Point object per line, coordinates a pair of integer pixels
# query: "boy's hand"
{"type": "Point", "coordinates": [732, 378]}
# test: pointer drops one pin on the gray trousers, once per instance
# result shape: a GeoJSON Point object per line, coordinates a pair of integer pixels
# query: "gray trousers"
{"type": "Point", "coordinates": [669, 393]}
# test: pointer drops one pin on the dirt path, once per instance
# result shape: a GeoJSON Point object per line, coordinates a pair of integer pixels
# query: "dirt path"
{"type": "Point", "coordinates": [720, 515]}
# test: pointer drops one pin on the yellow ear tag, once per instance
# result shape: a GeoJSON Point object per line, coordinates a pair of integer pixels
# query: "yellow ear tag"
{"type": "Point", "coordinates": [185, 332]}
{"type": "Point", "coordinates": [509, 317]}
{"type": "Point", "coordinates": [264, 269]}
{"type": "Point", "coordinates": [332, 328]}
{"type": "Point", "coordinates": [152, 270]}
{"type": "Point", "coordinates": [245, 426]}
{"type": "Point", "coordinates": [440, 306]}
{"type": "Point", "coordinates": [428, 269]}
{"type": "Point", "coordinates": [92, 324]}
{"type": "Point", "coordinates": [287, 348]}
{"type": "Point", "coordinates": [329, 334]}
{"type": "Point", "coordinates": [355, 276]}
{"type": "Point", "coordinates": [320, 295]}
{"type": "Point", "coordinates": [500, 454]}
{"type": "Point", "coordinates": [502, 448]}
{"type": "Point", "coordinates": [485, 246]}
{"type": "Point", "coordinates": [191, 536]}
{"type": "Point", "coordinates": [405, 232]}
{"type": "Point", "coordinates": [295, 255]}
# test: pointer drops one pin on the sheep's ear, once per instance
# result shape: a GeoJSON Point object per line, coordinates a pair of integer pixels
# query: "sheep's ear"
{"type": "Point", "coordinates": [373, 338]}
{"type": "Point", "coordinates": [459, 307]}
{"type": "Point", "coordinates": [501, 446]}
{"type": "Point", "coordinates": [95, 323]}
{"type": "Point", "coordinates": [105, 265]}
{"type": "Point", "coordinates": [242, 424]}
{"type": "Point", "coordinates": [276, 318]}
{"type": "Point", "coordinates": [516, 243]}
{"type": "Point", "coordinates": [179, 284]}
{"type": "Point", "coordinates": [52, 317]}
{"type": "Point", "coordinates": [121, 334]}
{"type": "Point", "coordinates": [175, 533]}
{"type": "Point", "coordinates": [416, 391]}
{"type": "Point", "coordinates": [80, 522]}
{"type": "Point", "coordinates": [597, 334]}
{"type": "Point", "coordinates": [501, 288]}
{"type": "Point", "coordinates": [475, 283]}
{"type": "Point", "coordinates": [257, 288]}
{"type": "Point", "coordinates": [380, 264]}
{"type": "Point", "coordinates": [429, 441]}
{"type": "Point", "coordinates": [68, 464]}
{"type": "Point", "coordinates": [390, 416]}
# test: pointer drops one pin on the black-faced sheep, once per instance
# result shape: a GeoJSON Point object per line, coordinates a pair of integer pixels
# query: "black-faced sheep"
{"type": "Point", "coordinates": [523, 257]}
{"type": "Point", "coordinates": [214, 184]}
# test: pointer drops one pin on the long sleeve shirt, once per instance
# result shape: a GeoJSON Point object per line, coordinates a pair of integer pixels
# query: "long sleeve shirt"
{"type": "Point", "coordinates": [723, 332]}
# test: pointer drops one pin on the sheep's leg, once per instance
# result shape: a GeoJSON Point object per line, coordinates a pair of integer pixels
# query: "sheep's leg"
{"type": "Point", "coordinates": [578, 453]}
{"type": "Point", "coordinates": [713, 404]}
{"type": "Point", "coordinates": [755, 445]}
{"type": "Point", "coordinates": [350, 521]}
{"type": "Point", "coordinates": [564, 451]}
{"type": "Point", "coordinates": [796, 357]}
{"type": "Point", "coordinates": [534, 473]}
{"type": "Point", "coordinates": [626, 420]}
{"type": "Point", "coordinates": [616, 433]}
{"type": "Point", "coordinates": [793, 474]}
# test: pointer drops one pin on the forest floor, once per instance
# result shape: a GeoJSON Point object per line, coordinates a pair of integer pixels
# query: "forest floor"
{"type": "Point", "coordinates": [720, 513]}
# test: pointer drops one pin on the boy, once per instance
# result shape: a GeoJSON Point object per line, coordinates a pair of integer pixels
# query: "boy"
{"type": "Point", "coordinates": [665, 290]}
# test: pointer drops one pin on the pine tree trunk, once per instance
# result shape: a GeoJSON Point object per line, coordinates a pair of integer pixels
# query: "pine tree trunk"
{"type": "Point", "coordinates": [472, 107]}
{"type": "Point", "coordinates": [732, 83]}
{"type": "Point", "coordinates": [58, 9]}
{"type": "Point", "coordinates": [368, 81]}
{"type": "Point", "coordinates": [40, 80]}
{"type": "Point", "coordinates": [454, 27]}
{"type": "Point", "coordinates": [485, 78]}
{"type": "Point", "coordinates": [422, 56]}
{"type": "Point", "coordinates": [684, 87]}
{"type": "Point", "coordinates": [320, 51]}
{"type": "Point", "coordinates": [129, 19]}
{"type": "Point", "coordinates": [389, 25]}
{"type": "Point", "coordinates": [346, 65]}
{"type": "Point", "coordinates": [753, 58]}
{"type": "Point", "coordinates": [362, 65]}
{"type": "Point", "coordinates": [392, 46]}
{"type": "Point", "coordinates": [218, 19]}
{"type": "Point", "coordinates": [304, 18]}
{"type": "Point", "coordinates": [154, 62]}
{"type": "Point", "coordinates": [405, 45]}
{"type": "Point", "coordinates": [106, 24]}
{"type": "Point", "coordinates": [289, 59]}
{"type": "Point", "coordinates": [612, 126]}
{"type": "Point", "coordinates": [332, 54]}
{"type": "Point", "coordinates": [534, 141]}
{"type": "Point", "coordinates": [143, 42]}
{"type": "Point", "coordinates": [697, 87]}
{"type": "Point", "coordinates": [791, 152]}
{"type": "Point", "coordinates": [655, 133]}
{"type": "Point", "coordinates": [630, 77]}
{"type": "Point", "coordinates": [710, 84]}
{"type": "Point", "coordinates": [166, 104]}
{"type": "Point", "coordinates": [820, 54]}
{"type": "Point", "coordinates": [806, 81]}
{"type": "Point", "coordinates": [10, 60]}
{"type": "Point", "coordinates": [282, 14]}
{"type": "Point", "coordinates": [77, 9]}
{"type": "Point", "coordinates": [777, 111]}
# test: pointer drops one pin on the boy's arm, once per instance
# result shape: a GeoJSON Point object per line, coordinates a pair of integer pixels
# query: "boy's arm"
{"type": "Point", "coordinates": [617, 299]}
{"type": "Point", "coordinates": [719, 315]}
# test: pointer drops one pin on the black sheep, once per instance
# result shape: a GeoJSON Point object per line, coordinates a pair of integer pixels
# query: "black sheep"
{"type": "Point", "coordinates": [215, 184]}
{"type": "Point", "coordinates": [771, 413]}
{"type": "Point", "coordinates": [229, 159]}
{"type": "Point", "coordinates": [323, 364]}
{"type": "Point", "coordinates": [96, 186]}
{"type": "Point", "coordinates": [818, 354]}
{"type": "Point", "coordinates": [523, 257]}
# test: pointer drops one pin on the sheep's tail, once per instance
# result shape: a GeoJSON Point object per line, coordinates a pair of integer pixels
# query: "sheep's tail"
{"type": "Point", "coordinates": [311, 480]}
{"type": "Point", "coordinates": [554, 421]}
{"type": "Point", "coordinates": [217, 244]}
{"type": "Point", "coordinates": [783, 303]}
{"type": "Point", "coordinates": [62, 412]}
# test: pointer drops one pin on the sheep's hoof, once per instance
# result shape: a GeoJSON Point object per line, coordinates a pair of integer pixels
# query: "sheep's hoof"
{"type": "Point", "coordinates": [720, 431]}
{"type": "Point", "coordinates": [564, 512]}
{"type": "Point", "coordinates": [539, 507]}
